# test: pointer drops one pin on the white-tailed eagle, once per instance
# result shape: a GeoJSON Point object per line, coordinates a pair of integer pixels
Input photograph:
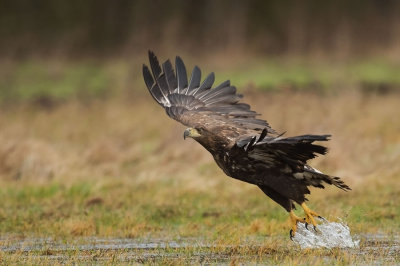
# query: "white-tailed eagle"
{"type": "Point", "coordinates": [243, 146]}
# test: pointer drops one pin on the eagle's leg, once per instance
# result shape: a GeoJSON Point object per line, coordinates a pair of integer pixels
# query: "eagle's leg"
{"type": "Point", "coordinates": [310, 215]}
{"type": "Point", "coordinates": [294, 219]}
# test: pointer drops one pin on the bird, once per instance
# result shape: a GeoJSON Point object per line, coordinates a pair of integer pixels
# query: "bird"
{"type": "Point", "coordinates": [244, 146]}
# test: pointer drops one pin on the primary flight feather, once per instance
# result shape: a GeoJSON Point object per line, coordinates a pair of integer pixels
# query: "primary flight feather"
{"type": "Point", "coordinates": [243, 146]}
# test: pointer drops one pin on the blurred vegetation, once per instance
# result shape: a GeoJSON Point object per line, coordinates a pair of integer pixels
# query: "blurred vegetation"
{"type": "Point", "coordinates": [100, 27]}
{"type": "Point", "coordinates": [38, 82]}
{"type": "Point", "coordinates": [52, 82]}
{"type": "Point", "coordinates": [56, 50]}
{"type": "Point", "coordinates": [318, 77]}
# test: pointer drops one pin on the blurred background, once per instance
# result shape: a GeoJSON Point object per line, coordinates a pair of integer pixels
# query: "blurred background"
{"type": "Point", "coordinates": [359, 40]}
{"type": "Point", "coordinates": [336, 29]}
{"type": "Point", "coordinates": [95, 48]}
{"type": "Point", "coordinates": [79, 129]}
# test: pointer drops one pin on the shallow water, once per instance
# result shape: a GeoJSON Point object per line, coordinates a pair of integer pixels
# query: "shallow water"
{"type": "Point", "coordinates": [90, 244]}
{"type": "Point", "coordinates": [386, 248]}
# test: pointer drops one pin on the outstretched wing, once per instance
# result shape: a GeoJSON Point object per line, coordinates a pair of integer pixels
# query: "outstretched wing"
{"type": "Point", "coordinates": [191, 101]}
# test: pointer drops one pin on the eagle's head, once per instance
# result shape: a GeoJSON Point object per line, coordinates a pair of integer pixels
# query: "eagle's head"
{"type": "Point", "coordinates": [191, 133]}
{"type": "Point", "coordinates": [210, 140]}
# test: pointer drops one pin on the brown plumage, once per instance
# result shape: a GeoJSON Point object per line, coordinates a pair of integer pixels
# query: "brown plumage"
{"type": "Point", "coordinates": [243, 146]}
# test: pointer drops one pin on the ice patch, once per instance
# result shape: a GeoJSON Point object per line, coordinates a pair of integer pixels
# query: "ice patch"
{"type": "Point", "coordinates": [328, 235]}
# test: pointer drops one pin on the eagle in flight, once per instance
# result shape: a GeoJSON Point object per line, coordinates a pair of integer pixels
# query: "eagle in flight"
{"type": "Point", "coordinates": [244, 146]}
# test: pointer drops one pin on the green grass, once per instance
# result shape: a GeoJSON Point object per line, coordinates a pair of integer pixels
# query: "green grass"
{"type": "Point", "coordinates": [116, 209]}
{"type": "Point", "coordinates": [243, 226]}
{"type": "Point", "coordinates": [56, 81]}
{"type": "Point", "coordinates": [33, 80]}
{"type": "Point", "coordinates": [317, 76]}
{"type": "Point", "coordinates": [275, 76]}
{"type": "Point", "coordinates": [375, 71]}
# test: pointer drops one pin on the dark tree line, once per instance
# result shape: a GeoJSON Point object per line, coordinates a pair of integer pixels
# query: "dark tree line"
{"type": "Point", "coordinates": [274, 26]}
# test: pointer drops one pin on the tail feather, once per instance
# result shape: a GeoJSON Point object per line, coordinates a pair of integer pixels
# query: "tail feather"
{"type": "Point", "coordinates": [315, 178]}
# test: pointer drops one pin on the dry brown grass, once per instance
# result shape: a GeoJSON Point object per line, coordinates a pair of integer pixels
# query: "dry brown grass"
{"type": "Point", "coordinates": [138, 141]}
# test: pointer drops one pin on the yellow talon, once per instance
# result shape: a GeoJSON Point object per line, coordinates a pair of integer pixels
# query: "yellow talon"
{"type": "Point", "coordinates": [294, 219]}
{"type": "Point", "coordinates": [310, 215]}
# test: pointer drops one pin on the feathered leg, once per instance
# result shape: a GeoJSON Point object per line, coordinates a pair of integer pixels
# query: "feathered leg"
{"type": "Point", "coordinates": [288, 205]}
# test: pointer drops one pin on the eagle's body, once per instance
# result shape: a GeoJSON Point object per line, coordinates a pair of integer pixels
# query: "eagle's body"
{"type": "Point", "coordinates": [244, 147]}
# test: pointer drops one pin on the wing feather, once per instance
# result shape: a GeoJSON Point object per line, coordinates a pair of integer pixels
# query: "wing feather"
{"type": "Point", "coordinates": [226, 83]}
{"type": "Point", "coordinates": [194, 80]}
{"type": "Point", "coordinates": [163, 85]}
{"type": "Point", "coordinates": [156, 93]}
{"type": "Point", "coordinates": [181, 74]}
{"type": "Point", "coordinates": [170, 76]}
{"type": "Point", "coordinates": [155, 66]}
{"type": "Point", "coordinates": [148, 78]}
{"type": "Point", "coordinates": [217, 93]}
{"type": "Point", "coordinates": [207, 83]}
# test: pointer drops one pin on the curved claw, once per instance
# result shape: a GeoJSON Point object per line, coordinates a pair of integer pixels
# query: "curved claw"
{"type": "Point", "coordinates": [322, 218]}
{"type": "Point", "coordinates": [315, 228]}
{"type": "Point", "coordinates": [291, 234]}
{"type": "Point", "coordinates": [306, 225]}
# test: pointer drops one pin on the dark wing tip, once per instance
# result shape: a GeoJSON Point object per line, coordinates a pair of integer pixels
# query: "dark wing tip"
{"type": "Point", "coordinates": [181, 73]}
{"type": "Point", "coordinates": [151, 54]}
{"type": "Point", "coordinates": [154, 64]}
{"type": "Point", "coordinates": [212, 76]}
{"type": "Point", "coordinates": [179, 62]}
{"type": "Point", "coordinates": [148, 79]}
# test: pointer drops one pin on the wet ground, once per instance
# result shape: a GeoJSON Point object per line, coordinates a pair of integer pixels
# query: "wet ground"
{"type": "Point", "coordinates": [381, 249]}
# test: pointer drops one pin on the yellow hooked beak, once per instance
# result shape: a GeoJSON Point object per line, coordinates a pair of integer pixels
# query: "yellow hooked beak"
{"type": "Point", "coordinates": [191, 133]}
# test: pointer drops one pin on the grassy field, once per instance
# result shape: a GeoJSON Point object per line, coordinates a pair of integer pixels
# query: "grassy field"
{"type": "Point", "coordinates": [118, 167]}
{"type": "Point", "coordinates": [50, 81]}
